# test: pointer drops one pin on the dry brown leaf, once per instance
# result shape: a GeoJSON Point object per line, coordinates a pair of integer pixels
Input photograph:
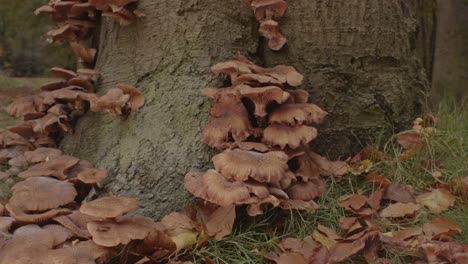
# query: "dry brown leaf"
{"type": "Point", "coordinates": [400, 210]}
{"type": "Point", "coordinates": [399, 193]}
{"type": "Point", "coordinates": [441, 226]}
{"type": "Point", "coordinates": [437, 201]}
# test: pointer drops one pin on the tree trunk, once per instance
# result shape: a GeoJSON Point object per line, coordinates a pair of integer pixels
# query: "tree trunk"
{"type": "Point", "coordinates": [359, 57]}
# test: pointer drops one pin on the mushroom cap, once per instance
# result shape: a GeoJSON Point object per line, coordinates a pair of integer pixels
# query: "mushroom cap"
{"type": "Point", "coordinates": [42, 154]}
{"type": "Point", "coordinates": [82, 82]}
{"type": "Point", "coordinates": [241, 164]}
{"type": "Point", "coordinates": [258, 189]}
{"type": "Point", "coordinates": [299, 96]}
{"type": "Point", "coordinates": [121, 230]}
{"type": "Point", "coordinates": [25, 105]}
{"type": "Point", "coordinates": [285, 74]}
{"type": "Point", "coordinates": [63, 73]}
{"type": "Point", "coordinates": [308, 169]}
{"type": "Point", "coordinates": [228, 117]}
{"type": "Point", "coordinates": [255, 209]}
{"type": "Point", "coordinates": [56, 167]}
{"type": "Point", "coordinates": [306, 191]}
{"type": "Point", "coordinates": [223, 192]}
{"type": "Point", "coordinates": [254, 79]}
{"type": "Point", "coordinates": [42, 193]}
{"type": "Point", "coordinates": [193, 182]}
{"type": "Point", "coordinates": [270, 30]}
{"type": "Point", "coordinates": [292, 136]}
{"type": "Point", "coordinates": [297, 114]}
{"type": "Point", "coordinates": [256, 146]}
{"type": "Point", "coordinates": [109, 206]}
{"type": "Point", "coordinates": [113, 101]}
{"type": "Point", "coordinates": [261, 96]}
{"type": "Point", "coordinates": [269, 9]}
{"type": "Point", "coordinates": [92, 175]}
{"type": "Point", "coordinates": [137, 98]}
{"type": "Point", "coordinates": [232, 67]}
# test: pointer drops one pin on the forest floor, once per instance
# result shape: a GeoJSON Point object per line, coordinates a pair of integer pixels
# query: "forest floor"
{"type": "Point", "coordinates": [446, 152]}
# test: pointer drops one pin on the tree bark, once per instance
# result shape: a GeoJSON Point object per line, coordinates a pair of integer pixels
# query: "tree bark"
{"type": "Point", "coordinates": [359, 57]}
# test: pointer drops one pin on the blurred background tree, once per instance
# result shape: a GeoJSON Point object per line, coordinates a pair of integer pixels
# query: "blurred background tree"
{"type": "Point", "coordinates": [24, 50]}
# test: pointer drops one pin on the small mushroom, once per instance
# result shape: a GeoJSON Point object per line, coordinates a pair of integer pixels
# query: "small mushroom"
{"type": "Point", "coordinates": [255, 209]}
{"type": "Point", "coordinates": [228, 117]}
{"type": "Point", "coordinates": [92, 175]}
{"type": "Point", "coordinates": [137, 98]}
{"type": "Point", "coordinates": [63, 73]}
{"type": "Point", "coordinates": [241, 164]}
{"type": "Point", "coordinates": [222, 191]}
{"type": "Point", "coordinates": [270, 30]}
{"type": "Point", "coordinates": [109, 206]}
{"type": "Point", "coordinates": [292, 136]}
{"type": "Point", "coordinates": [262, 96]}
{"type": "Point", "coordinates": [297, 114]}
{"type": "Point", "coordinates": [307, 190]}
{"type": "Point", "coordinates": [269, 9]}
{"type": "Point", "coordinates": [121, 230]}
{"type": "Point", "coordinates": [57, 167]}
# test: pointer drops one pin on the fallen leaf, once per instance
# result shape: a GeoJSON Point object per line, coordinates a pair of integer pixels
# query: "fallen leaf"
{"type": "Point", "coordinates": [376, 198]}
{"type": "Point", "coordinates": [352, 202]}
{"type": "Point", "coordinates": [400, 210]}
{"type": "Point", "coordinates": [459, 186]}
{"type": "Point", "coordinates": [437, 200]}
{"type": "Point", "coordinates": [323, 240]}
{"type": "Point", "coordinates": [219, 223]}
{"type": "Point", "coordinates": [378, 180]}
{"type": "Point", "coordinates": [441, 226]}
{"type": "Point", "coordinates": [399, 193]}
{"type": "Point", "coordinates": [346, 222]}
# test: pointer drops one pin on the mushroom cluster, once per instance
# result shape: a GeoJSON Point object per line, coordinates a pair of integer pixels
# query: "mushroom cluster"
{"type": "Point", "coordinates": [268, 13]}
{"type": "Point", "coordinates": [77, 20]}
{"type": "Point", "coordinates": [263, 126]}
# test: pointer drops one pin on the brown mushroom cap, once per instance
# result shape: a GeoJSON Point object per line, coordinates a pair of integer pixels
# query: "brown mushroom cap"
{"type": "Point", "coordinates": [56, 167]}
{"type": "Point", "coordinates": [253, 79]}
{"type": "Point", "coordinates": [228, 117]}
{"type": "Point", "coordinates": [285, 74]}
{"type": "Point", "coordinates": [92, 175]}
{"type": "Point", "coordinates": [299, 96]}
{"type": "Point", "coordinates": [42, 193]}
{"type": "Point", "coordinates": [26, 105]}
{"type": "Point", "coordinates": [223, 192]}
{"type": "Point", "coordinates": [137, 98]}
{"type": "Point", "coordinates": [261, 96]}
{"type": "Point", "coordinates": [292, 136]}
{"type": "Point", "coordinates": [306, 190]}
{"type": "Point", "coordinates": [308, 169]}
{"type": "Point", "coordinates": [193, 182]}
{"type": "Point", "coordinates": [42, 154]}
{"type": "Point", "coordinates": [258, 189]}
{"type": "Point", "coordinates": [113, 101]}
{"type": "Point", "coordinates": [255, 209]}
{"type": "Point", "coordinates": [270, 30]}
{"type": "Point", "coordinates": [232, 68]}
{"type": "Point", "coordinates": [297, 114]}
{"type": "Point", "coordinates": [109, 206]}
{"type": "Point", "coordinates": [121, 230]}
{"type": "Point", "coordinates": [241, 164]}
{"type": "Point", "coordinates": [82, 82]}
{"type": "Point", "coordinates": [63, 73]}
{"type": "Point", "coordinates": [269, 9]}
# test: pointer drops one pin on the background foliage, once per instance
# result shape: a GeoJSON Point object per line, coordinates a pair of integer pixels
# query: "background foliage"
{"type": "Point", "coordinates": [24, 50]}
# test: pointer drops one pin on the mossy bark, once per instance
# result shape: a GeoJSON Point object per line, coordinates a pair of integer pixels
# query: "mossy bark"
{"type": "Point", "coordinates": [359, 58]}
